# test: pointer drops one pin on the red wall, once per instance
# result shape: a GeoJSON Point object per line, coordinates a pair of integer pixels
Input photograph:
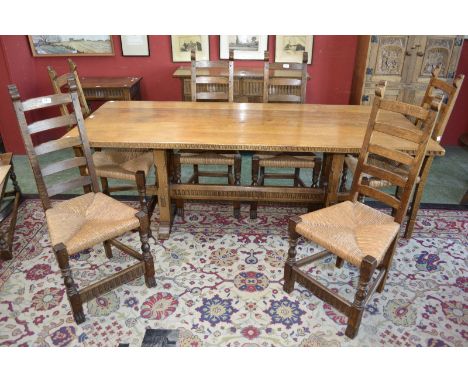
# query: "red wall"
{"type": "Point", "coordinates": [330, 72]}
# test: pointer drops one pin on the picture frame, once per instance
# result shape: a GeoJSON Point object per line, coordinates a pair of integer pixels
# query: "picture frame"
{"type": "Point", "coordinates": [71, 45]}
{"type": "Point", "coordinates": [290, 48]}
{"type": "Point", "coordinates": [246, 47]}
{"type": "Point", "coordinates": [181, 46]}
{"type": "Point", "coordinates": [135, 45]}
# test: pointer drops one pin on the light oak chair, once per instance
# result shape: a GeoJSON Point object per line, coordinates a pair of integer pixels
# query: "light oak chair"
{"type": "Point", "coordinates": [435, 87]}
{"type": "Point", "coordinates": [210, 81]}
{"type": "Point", "coordinates": [356, 233]}
{"type": "Point", "coordinates": [121, 164]}
{"type": "Point", "coordinates": [6, 235]}
{"type": "Point", "coordinates": [282, 89]}
{"type": "Point", "coordinates": [83, 221]}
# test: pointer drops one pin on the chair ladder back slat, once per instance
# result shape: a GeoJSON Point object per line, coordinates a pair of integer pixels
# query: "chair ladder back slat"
{"type": "Point", "coordinates": [384, 174]}
{"type": "Point", "coordinates": [59, 144]}
{"type": "Point", "coordinates": [52, 123]}
{"type": "Point", "coordinates": [413, 135]}
{"type": "Point", "coordinates": [379, 195]}
{"type": "Point", "coordinates": [42, 102]}
{"type": "Point", "coordinates": [61, 187]}
{"type": "Point", "coordinates": [66, 164]}
{"type": "Point", "coordinates": [391, 154]}
{"type": "Point", "coordinates": [414, 111]}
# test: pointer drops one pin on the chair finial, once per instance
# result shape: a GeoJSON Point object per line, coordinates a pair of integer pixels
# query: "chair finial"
{"type": "Point", "coordinates": [14, 93]}
{"type": "Point", "coordinates": [380, 89]}
{"type": "Point", "coordinates": [305, 57]}
{"type": "Point", "coordinates": [266, 56]}
{"type": "Point", "coordinates": [192, 55]}
{"type": "Point", "coordinates": [231, 55]}
{"type": "Point", "coordinates": [71, 65]}
{"type": "Point", "coordinates": [457, 82]}
{"type": "Point", "coordinates": [71, 83]}
{"type": "Point", "coordinates": [436, 71]}
{"type": "Point", "coordinates": [436, 102]}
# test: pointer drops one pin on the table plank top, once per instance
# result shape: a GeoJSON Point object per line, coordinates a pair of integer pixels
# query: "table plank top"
{"type": "Point", "coordinates": [239, 126]}
{"type": "Point", "coordinates": [108, 82]}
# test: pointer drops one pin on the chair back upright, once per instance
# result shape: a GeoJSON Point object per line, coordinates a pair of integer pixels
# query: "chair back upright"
{"type": "Point", "coordinates": [212, 80]}
{"type": "Point", "coordinates": [381, 131]}
{"type": "Point", "coordinates": [450, 94]}
{"type": "Point", "coordinates": [284, 82]}
{"type": "Point", "coordinates": [74, 118]}
{"type": "Point", "coordinates": [59, 84]}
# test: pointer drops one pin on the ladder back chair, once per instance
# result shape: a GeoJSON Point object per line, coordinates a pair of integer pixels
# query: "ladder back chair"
{"type": "Point", "coordinates": [435, 88]}
{"type": "Point", "coordinates": [121, 164]}
{"type": "Point", "coordinates": [6, 235]}
{"type": "Point", "coordinates": [81, 222]}
{"type": "Point", "coordinates": [210, 81]}
{"type": "Point", "coordinates": [363, 236]}
{"type": "Point", "coordinates": [289, 88]}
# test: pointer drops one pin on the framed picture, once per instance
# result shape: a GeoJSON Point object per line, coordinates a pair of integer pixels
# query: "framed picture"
{"type": "Point", "coordinates": [182, 45]}
{"type": "Point", "coordinates": [291, 48]}
{"type": "Point", "coordinates": [71, 45]}
{"type": "Point", "coordinates": [135, 45]}
{"type": "Point", "coordinates": [246, 47]}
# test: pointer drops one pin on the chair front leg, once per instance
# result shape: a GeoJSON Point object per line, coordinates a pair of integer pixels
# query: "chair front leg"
{"type": "Point", "coordinates": [368, 266]}
{"type": "Point", "coordinates": [5, 250]}
{"type": "Point", "coordinates": [289, 275]}
{"type": "Point", "coordinates": [196, 177]}
{"type": "Point", "coordinates": [71, 289]}
{"type": "Point", "coordinates": [297, 172]}
{"type": "Point", "coordinates": [140, 180]}
{"type": "Point", "coordinates": [145, 249]}
{"type": "Point", "coordinates": [387, 263]}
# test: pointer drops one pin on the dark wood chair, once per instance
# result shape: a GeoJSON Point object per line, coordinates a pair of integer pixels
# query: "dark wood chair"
{"type": "Point", "coordinates": [287, 88]}
{"type": "Point", "coordinates": [436, 87]}
{"type": "Point", "coordinates": [210, 81]}
{"type": "Point", "coordinates": [121, 164]}
{"type": "Point", "coordinates": [8, 209]}
{"type": "Point", "coordinates": [363, 236]}
{"type": "Point", "coordinates": [86, 220]}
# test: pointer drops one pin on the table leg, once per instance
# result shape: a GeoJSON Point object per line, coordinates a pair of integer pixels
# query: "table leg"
{"type": "Point", "coordinates": [164, 201]}
{"type": "Point", "coordinates": [334, 177]}
{"type": "Point", "coordinates": [417, 195]}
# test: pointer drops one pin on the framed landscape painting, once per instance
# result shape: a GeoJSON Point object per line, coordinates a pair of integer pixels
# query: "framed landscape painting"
{"type": "Point", "coordinates": [246, 47]}
{"type": "Point", "coordinates": [291, 48]}
{"type": "Point", "coordinates": [71, 45]}
{"type": "Point", "coordinates": [182, 45]}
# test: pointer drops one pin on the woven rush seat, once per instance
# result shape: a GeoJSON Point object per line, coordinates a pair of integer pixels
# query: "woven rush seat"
{"type": "Point", "coordinates": [120, 164]}
{"type": "Point", "coordinates": [89, 219]}
{"type": "Point", "coordinates": [284, 160]}
{"type": "Point", "coordinates": [395, 167]}
{"type": "Point", "coordinates": [350, 230]}
{"type": "Point", "coordinates": [209, 158]}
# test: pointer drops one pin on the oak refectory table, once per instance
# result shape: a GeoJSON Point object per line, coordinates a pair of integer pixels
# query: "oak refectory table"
{"type": "Point", "coordinates": [334, 130]}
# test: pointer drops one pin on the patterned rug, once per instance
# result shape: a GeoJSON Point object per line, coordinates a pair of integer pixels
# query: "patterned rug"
{"type": "Point", "coordinates": [220, 284]}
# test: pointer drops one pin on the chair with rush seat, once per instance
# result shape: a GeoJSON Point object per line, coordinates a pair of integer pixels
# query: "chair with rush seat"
{"type": "Point", "coordinates": [363, 236]}
{"type": "Point", "coordinates": [83, 221]}
{"type": "Point", "coordinates": [121, 164]}
{"type": "Point", "coordinates": [435, 86]}
{"type": "Point", "coordinates": [273, 88]}
{"type": "Point", "coordinates": [210, 81]}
